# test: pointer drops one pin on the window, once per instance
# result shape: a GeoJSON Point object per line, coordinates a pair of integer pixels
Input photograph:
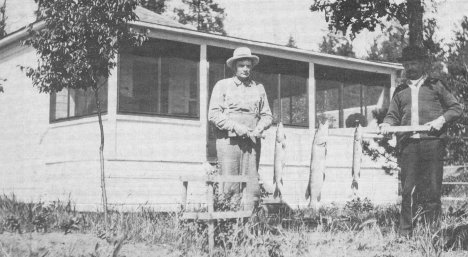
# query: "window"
{"type": "Point", "coordinates": [344, 95]}
{"type": "Point", "coordinates": [160, 77]}
{"type": "Point", "coordinates": [70, 103]}
{"type": "Point", "coordinates": [285, 83]}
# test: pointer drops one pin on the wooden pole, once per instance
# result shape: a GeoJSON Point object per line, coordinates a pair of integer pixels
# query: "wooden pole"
{"type": "Point", "coordinates": [210, 202]}
{"type": "Point", "coordinates": [394, 129]}
{"type": "Point", "coordinates": [184, 195]}
{"type": "Point", "coordinates": [341, 105]}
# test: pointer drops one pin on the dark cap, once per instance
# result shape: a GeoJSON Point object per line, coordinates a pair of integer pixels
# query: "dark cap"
{"type": "Point", "coordinates": [413, 53]}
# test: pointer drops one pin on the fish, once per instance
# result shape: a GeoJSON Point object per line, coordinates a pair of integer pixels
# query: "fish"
{"type": "Point", "coordinates": [280, 157]}
{"type": "Point", "coordinates": [357, 153]}
{"type": "Point", "coordinates": [317, 167]}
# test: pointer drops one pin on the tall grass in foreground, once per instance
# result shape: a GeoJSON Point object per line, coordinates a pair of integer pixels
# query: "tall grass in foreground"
{"type": "Point", "coordinates": [357, 229]}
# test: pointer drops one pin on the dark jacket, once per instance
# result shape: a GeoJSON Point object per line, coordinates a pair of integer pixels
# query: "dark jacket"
{"type": "Point", "coordinates": [435, 100]}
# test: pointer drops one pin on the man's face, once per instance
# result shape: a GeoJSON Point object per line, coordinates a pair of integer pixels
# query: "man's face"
{"type": "Point", "coordinates": [414, 69]}
{"type": "Point", "coordinates": [243, 68]}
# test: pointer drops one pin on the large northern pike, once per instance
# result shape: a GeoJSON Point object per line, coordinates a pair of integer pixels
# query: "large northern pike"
{"type": "Point", "coordinates": [280, 156]}
{"type": "Point", "coordinates": [357, 152]}
{"type": "Point", "coordinates": [317, 166]}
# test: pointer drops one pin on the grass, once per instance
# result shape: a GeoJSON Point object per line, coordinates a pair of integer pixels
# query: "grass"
{"type": "Point", "coordinates": [357, 229]}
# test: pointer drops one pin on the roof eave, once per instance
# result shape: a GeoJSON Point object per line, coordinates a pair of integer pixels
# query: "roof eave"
{"type": "Point", "coordinates": [209, 36]}
{"type": "Point", "coordinates": [21, 33]}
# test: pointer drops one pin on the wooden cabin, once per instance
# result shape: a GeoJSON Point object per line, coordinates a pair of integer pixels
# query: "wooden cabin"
{"type": "Point", "coordinates": [155, 120]}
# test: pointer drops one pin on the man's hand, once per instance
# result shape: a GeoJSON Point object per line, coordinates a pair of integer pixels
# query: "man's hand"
{"type": "Point", "coordinates": [437, 123]}
{"type": "Point", "coordinates": [384, 128]}
{"type": "Point", "coordinates": [241, 130]}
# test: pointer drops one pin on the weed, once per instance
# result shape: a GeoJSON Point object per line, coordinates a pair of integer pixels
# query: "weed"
{"type": "Point", "coordinates": [357, 229]}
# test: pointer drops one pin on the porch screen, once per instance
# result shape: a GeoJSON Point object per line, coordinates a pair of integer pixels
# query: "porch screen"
{"type": "Point", "coordinates": [70, 103]}
{"type": "Point", "coordinates": [344, 95]}
{"type": "Point", "coordinates": [160, 78]}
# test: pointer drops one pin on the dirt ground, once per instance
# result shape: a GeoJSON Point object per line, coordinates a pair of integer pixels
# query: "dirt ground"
{"type": "Point", "coordinates": [76, 245]}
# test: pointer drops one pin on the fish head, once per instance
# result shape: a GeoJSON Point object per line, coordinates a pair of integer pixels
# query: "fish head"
{"type": "Point", "coordinates": [358, 132]}
{"type": "Point", "coordinates": [280, 136]}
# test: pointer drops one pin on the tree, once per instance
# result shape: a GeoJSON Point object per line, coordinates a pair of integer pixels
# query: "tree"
{"type": "Point", "coordinates": [457, 79]}
{"type": "Point", "coordinates": [291, 42]}
{"type": "Point", "coordinates": [3, 20]}
{"type": "Point", "coordinates": [388, 45]}
{"type": "Point", "coordinates": [77, 49]}
{"type": "Point", "coordinates": [157, 6]}
{"type": "Point", "coordinates": [334, 43]}
{"type": "Point", "coordinates": [206, 15]}
{"type": "Point", "coordinates": [352, 16]}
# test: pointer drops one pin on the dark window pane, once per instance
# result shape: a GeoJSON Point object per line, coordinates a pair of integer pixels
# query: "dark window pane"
{"type": "Point", "coordinates": [300, 112]}
{"type": "Point", "coordinates": [161, 77]}
{"type": "Point", "coordinates": [59, 105]}
{"type": "Point", "coordinates": [270, 83]}
{"type": "Point", "coordinates": [70, 103]}
{"type": "Point", "coordinates": [344, 95]}
{"type": "Point", "coordinates": [294, 99]}
{"type": "Point", "coordinates": [326, 101]}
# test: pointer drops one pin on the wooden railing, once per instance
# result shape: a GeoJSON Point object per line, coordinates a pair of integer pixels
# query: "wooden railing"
{"type": "Point", "coordinates": [210, 216]}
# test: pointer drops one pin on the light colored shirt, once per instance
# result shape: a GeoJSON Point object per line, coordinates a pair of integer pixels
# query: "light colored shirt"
{"type": "Point", "coordinates": [231, 95]}
{"type": "Point", "coordinates": [415, 85]}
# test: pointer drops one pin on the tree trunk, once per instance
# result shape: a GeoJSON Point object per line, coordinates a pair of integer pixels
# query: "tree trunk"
{"type": "Point", "coordinates": [415, 21]}
{"type": "Point", "coordinates": [101, 158]}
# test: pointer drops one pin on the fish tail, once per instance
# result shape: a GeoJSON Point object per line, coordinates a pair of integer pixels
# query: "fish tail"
{"type": "Point", "coordinates": [277, 193]}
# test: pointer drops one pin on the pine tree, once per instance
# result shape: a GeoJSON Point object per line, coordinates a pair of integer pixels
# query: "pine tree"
{"type": "Point", "coordinates": [291, 42]}
{"type": "Point", "coordinates": [335, 43]}
{"type": "Point", "coordinates": [157, 6]}
{"type": "Point", "coordinates": [205, 15]}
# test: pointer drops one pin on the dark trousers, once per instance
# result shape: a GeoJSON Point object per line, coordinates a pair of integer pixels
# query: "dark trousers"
{"type": "Point", "coordinates": [239, 156]}
{"type": "Point", "coordinates": [421, 163]}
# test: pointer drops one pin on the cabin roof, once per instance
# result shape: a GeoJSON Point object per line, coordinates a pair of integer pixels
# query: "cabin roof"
{"type": "Point", "coordinates": [145, 15]}
{"type": "Point", "coordinates": [153, 20]}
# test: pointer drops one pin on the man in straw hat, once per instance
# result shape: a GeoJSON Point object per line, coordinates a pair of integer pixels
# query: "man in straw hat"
{"type": "Point", "coordinates": [420, 101]}
{"type": "Point", "coordinates": [239, 109]}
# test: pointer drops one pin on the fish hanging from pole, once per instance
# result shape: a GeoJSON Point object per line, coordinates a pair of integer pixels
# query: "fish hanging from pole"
{"type": "Point", "coordinates": [317, 167]}
{"type": "Point", "coordinates": [357, 153]}
{"type": "Point", "coordinates": [280, 156]}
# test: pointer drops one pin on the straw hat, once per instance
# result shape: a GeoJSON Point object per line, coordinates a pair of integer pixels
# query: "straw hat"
{"type": "Point", "coordinates": [242, 53]}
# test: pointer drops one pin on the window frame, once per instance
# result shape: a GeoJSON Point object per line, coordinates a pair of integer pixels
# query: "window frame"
{"type": "Point", "coordinates": [157, 60]}
{"type": "Point", "coordinates": [76, 117]}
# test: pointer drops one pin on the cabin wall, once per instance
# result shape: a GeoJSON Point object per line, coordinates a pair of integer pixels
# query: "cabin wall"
{"type": "Point", "coordinates": [146, 155]}
{"type": "Point", "coordinates": [23, 123]}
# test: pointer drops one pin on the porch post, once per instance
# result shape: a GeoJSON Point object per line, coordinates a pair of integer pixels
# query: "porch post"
{"type": "Point", "coordinates": [311, 92]}
{"type": "Point", "coordinates": [393, 83]}
{"type": "Point", "coordinates": [203, 107]}
{"type": "Point", "coordinates": [112, 95]}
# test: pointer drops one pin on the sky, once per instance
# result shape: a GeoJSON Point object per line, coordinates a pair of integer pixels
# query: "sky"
{"type": "Point", "coordinates": [273, 20]}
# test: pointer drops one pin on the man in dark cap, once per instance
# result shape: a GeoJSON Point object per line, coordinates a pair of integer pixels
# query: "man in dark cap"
{"type": "Point", "coordinates": [420, 101]}
{"type": "Point", "coordinates": [239, 109]}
